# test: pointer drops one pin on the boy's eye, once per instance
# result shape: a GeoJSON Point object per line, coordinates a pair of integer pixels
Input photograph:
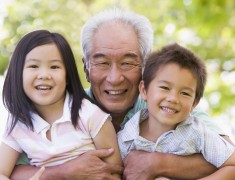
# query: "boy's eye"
{"type": "Point", "coordinates": [185, 94]}
{"type": "Point", "coordinates": [164, 87]}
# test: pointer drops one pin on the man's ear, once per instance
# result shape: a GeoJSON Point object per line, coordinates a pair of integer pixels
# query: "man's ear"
{"type": "Point", "coordinates": [142, 90]}
{"type": "Point", "coordinates": [86, 70]}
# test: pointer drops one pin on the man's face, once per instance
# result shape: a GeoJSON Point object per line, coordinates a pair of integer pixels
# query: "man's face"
{"type": "Point", "coordinates": [113, 83]}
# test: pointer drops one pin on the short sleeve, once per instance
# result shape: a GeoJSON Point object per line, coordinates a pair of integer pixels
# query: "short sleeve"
{"type": "Point", "coordinates": [215, 148]}
{"type": "Point", "coordinates": [92, 118]}
{"type": "Point", "coordinates": [10, 139]}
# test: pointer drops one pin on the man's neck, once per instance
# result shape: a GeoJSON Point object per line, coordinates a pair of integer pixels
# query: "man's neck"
{"type": "Point", "coordinates": [117, 119]}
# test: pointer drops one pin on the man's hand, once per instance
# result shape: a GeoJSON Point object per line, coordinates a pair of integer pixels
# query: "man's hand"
{"type": "Point", "coordinates": [144, 165]}
{"type": "Point", "coordinates": [137, 166]}
{"type": "Point", "coordinates": [90, 166]}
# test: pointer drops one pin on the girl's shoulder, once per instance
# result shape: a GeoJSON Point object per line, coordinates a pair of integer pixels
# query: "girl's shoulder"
{"type": "Point", "coordinates": [91, 117]}
{"type": "Point", "coordinates": [88, 109]}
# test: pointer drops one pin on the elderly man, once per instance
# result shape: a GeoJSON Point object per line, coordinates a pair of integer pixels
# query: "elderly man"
{"type": "Point", "coordinates": [115, 44]}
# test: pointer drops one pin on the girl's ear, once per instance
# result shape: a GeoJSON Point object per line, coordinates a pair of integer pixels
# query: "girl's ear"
{"type": "Point", "coordinates": [142, 90]}
{"type": "Point", "coordinates": [86, 70]}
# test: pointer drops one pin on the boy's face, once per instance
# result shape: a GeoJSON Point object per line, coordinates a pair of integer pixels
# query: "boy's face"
{"type": "Point", "coordinates": [170, 95]}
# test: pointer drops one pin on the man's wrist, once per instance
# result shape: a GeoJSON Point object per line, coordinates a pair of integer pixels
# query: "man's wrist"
{"type": "Point", "coordinates": [55, 173]}
{"type": "Point", "coordinates": [159, 164]}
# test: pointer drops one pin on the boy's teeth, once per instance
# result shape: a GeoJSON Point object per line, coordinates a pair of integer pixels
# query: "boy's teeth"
{"type": "Point", "coordinates": [168, 110]}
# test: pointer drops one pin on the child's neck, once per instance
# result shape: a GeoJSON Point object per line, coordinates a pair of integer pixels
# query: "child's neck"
{"type": "Point", "coordinates": [153, 130]}
{"type": "Point", "coordinates": [51, 113]}
{"type": "Point", "coordinates": [51, 116]}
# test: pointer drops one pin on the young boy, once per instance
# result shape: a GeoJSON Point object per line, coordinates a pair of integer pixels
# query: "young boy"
{"type": "Point", "coordinates": [173, 83]}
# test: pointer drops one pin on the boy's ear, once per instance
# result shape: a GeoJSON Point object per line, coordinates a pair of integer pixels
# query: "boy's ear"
{"type": "Point", "coordinates": [86, 70]}
{"type": "Point", "coordinates": [142, 90]}
{"type": "Point", "coordinates": [196, 102]}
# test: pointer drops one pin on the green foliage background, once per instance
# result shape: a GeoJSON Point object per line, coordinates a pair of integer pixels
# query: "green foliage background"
{"type": "Point", "coordinates": [207, 27]}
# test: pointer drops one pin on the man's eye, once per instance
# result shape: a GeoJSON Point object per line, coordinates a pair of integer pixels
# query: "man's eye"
{"type": "Point", "coordinates": [102, 65]}
{"type": "Point", "coordinates": [128, 65]}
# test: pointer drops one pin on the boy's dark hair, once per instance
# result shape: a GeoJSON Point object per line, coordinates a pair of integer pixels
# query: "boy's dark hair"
{"type": "Point", "coordinates": [14, 97]}
{"type": "Point", "coordinates": [181, 56]}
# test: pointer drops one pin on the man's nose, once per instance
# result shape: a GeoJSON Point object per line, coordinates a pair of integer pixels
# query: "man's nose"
{"type": "Point", "coordinates": [115, 74]}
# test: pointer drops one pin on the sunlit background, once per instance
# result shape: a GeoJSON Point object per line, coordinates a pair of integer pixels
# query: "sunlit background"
{"type": "Point", "coordinates": [206, 27]}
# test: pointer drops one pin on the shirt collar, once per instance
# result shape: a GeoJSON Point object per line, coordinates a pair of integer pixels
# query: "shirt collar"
{"type": "Point", "coordinates": [132, 128]}
{"type": "Point", "coordinates": [39, 123]}
{"type": "Point", "coordinates": [186, 122]}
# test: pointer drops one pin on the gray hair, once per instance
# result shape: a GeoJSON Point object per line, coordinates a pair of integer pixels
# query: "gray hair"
{"type": "Point", "coordinates": [140, 24]}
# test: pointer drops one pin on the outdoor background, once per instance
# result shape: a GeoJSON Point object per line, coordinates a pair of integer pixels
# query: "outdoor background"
{"type": "Point", "coordinates": [206, 27]}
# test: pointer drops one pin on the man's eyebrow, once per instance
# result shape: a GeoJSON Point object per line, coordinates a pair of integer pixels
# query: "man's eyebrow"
{"type": "Point", "coordinates": [131, 55]}
{"type": "Point", "coordinates": [98, 55]}
{"type": "Point", "coordinates": [127, 55]}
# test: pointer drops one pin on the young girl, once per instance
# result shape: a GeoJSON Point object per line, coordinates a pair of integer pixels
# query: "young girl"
{"type": "Point", "coordinates": [51, 118]}
{"type": "Point", "coordinates": [173, 83]}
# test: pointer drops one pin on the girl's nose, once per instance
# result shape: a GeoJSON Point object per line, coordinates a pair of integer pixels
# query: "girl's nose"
{"type": "Point", "coordinates": [44, 74]}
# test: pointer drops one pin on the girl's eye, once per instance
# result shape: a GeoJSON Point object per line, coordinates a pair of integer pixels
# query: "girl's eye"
{"type": "Point", "coordinates": [55, 67]}
{"type": "Point", "coordinates": [33, 66]}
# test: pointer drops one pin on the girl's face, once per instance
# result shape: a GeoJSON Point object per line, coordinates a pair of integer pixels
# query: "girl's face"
{"type": "Point", "coordinates": [170, 95]}
{"type": "Point", "coordinates": [44, 77]}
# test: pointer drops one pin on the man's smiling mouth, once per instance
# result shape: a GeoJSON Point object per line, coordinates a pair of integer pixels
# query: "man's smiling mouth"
{"type": "Point", "coordinates": [115, 92]}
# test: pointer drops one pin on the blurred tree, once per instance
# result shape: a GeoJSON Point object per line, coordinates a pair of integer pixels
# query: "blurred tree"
{"type": "Point", "coordinates": [206, 27]}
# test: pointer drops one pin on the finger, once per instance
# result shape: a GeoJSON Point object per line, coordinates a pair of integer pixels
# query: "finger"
{"type": "Point", "coordinates": [101, 153]}
{"type": "Point", "coordinates": [112, 177]}
{"type": "Point", "coordinates": [115, 169]}
{"type": "Point", "coordinates": [38, 174]}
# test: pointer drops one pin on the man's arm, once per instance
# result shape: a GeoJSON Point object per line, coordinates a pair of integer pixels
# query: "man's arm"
{"type": "Point", "coordinates": [87, 166]}
{"type": "Point", "coordinates": [145, 165]}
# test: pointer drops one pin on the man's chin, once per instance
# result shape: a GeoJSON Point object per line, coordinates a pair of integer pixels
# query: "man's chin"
{"type": "Point", "coordinates": [117, 109]}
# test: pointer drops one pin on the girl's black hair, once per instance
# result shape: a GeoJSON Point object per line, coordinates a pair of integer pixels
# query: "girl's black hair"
{"type": "Point", "coordinates": [14, 97]}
